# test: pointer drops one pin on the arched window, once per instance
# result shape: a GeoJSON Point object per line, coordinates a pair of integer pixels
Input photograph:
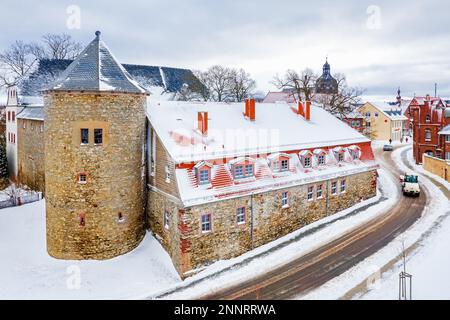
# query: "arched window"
{"type": "Point", "coordinates": [82, 218]}
{"type": "Point", "coordinates": [428, 118]}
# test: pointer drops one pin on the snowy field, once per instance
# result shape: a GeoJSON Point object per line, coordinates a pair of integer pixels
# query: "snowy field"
{"type": "Point", "coordinates": [431, 234]}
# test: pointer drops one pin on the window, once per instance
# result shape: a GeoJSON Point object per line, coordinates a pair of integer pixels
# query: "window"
{"type": "Point", "coordinates": [343, 185]}
{"type": "Point", "coordinates": [249, 170]}
{"type": "Point", "coordinates": [428, 119]}
{"type": "Point", "coordinates": [82, 219]}
{"type": "Point", "coordinates": [319, 192]}
{"type": "Point", "coordinates": [307, 162]}
{"type": "Point", "coordinates": [9, 115]}
{"type": "Point", "coordinates": [9, 136]}
{"type": "Point", "coordinates": [367, 114]}
{"type": "Point", "coordinates": [355, 154]}
{"type": "Point", "coordinates": [340, 157]}
{"type": "Point", "coordinates": [321, 160]}
{"type": "Point", "coordinates": [84, 136]}
{"type": "Point", "coordinates": [447, 156]}
{"type": "Point", "coordinates": [276, 166]}
{"type": "Point", "coordinates": [166, 220]}
{"type": "Point", "coordinates": [24, 124]}
{"type": "Point", "coordinates": [285, 199]}
{"type": "Point", "coordinates": [240, 215]}
{"type": "Point", "coordinates": [82, 178]}
{"type": "Point", "coordinates": [310, 193]}
{"type": "Point", "coordinates": [429, 152]}
{"type": "Point", "coordinates": [204, 176]}
{"type": "Point", "coordinates": [427, 135]}
{"type": "Point", "coordinates": [376, 114]}
{"type": "Point", "coordinates": [13, 118]}
{"type": "Point", "coordinates": [334, 188]}
{"type": "Point", "coordinates": [98, 136]}
{"type": "Point", "coordinates": [42, 128]}
{"type": "Point", "coordinates": [284, 165]}
{"type": "Point", "coordinates": [206, 223]}
{"type": "Point", "coordinates": [447, 138]}
{"type": "Point", "coordinates": [168, 175]}
{"type": "Point", "coordinates": [120, 217]}
{"type": "Point", "coordinates": [239, 172]}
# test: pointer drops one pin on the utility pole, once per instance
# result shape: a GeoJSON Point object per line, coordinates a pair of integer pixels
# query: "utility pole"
{"type": "Point", "coordinates": [404, 279]}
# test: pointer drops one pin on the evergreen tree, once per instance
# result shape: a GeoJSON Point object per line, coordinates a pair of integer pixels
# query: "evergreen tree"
{"type": "Point", "coordinates": [3, 162]}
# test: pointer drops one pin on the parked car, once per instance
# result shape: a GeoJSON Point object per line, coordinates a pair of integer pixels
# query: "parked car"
{"type": "Point", "coordinates": [410, 184]}
{"type": "Point", "coordinates": [388, 147]}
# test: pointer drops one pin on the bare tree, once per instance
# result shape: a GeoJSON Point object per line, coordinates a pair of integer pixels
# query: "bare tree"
{"type": "Point", "coordinates": [345, 101]}
{"type": "Point", "coordinates": [242, 86]}
{"type": "Point", "coordinates": [19, 59]}
{"type": "Point", "coordinates": [300, 85]}
{"type": "Point", "coordinates": [16, 62]}
{"type": "Point", "coordinates": [60, 46]}
{"type": "Point", "coordinates": [217, 80]}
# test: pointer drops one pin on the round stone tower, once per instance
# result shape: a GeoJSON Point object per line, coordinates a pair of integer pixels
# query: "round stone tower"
{"type": "Point", "coordinates": [94, 138]}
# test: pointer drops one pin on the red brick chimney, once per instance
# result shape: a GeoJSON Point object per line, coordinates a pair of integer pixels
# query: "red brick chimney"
{"type": "Point", "coordinates": [300, 110]}
{"type": "Point", "coordinates": [247, 108]}
{"type": "Point", "coordinates": [202, 118]}
{"type": "Point", "coordinates": [308, 110]}
{"type": "Point", "coordinates": [252, 111]}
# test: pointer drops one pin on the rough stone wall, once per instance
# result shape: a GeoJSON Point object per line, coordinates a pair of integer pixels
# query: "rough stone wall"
{"type": "Point", "coordinates": [30, 154]}
{"type": "Point", "coordinates": [115, 183]}
{"type": "Point", "coordinates": [270, 221]}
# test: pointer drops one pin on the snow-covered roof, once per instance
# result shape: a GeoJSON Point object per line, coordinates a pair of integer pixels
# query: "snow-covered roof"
{"type": "Point", "coordinates": [445, 130]}
{"type": "Point", "coordinates": [96, 69]}
{"type": "Point", "coordinates": [32, 113]}
{"type": "Point", "coordinates": [277, 128]}
{"type": "Point", "coordinates": [392, 111]}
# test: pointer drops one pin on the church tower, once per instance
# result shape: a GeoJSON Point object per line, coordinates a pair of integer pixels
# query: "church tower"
{"type": "Point", "coordinates": [326, 84]}
{"type": "Point", "coordinates": [94, 171]}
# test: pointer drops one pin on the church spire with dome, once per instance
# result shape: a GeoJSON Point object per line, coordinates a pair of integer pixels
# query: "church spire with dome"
{"type": "Point", "coordinates": [326, 84]}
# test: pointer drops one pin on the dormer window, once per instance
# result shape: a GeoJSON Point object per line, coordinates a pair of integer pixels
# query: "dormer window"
{"type": "Point", "coordinates": [339, 153]}
{"type": "Point", "coordinates": [242, 168]}
{"type": "Point", "coordinates": [321, 160]}
{"type": "Point", "coordinates": [307, 162]}
{"type": "Point", "coordinates": [340, 157]}
{"type": "Point", "coordinates": [279, 162]}
{"type": "Point", "coordinates": [306, 158]}
{"type": "Point", "coordinates": [203, 173]}
{"type": "Point", "coordinates": [284, 165]}
{"type": "Point", "coordinates": [354, 152]}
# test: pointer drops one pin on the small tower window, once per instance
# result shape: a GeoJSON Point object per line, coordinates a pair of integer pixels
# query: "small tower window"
{"type": "Point", "coordinates": [82, 178]}
{"type": "Point", "coordinates": [9, 115]}
{"type": "Point", "coordinates": [428, 119]}
{"type": "Point", "coordinates": [84, 136]}
{"type": "Point", "coordinates": [82, 219]}
{"type": "Point", "coordinates": [206, 223]}
{"type": "Point", "coordinates": [13, 116]}
{"type": "Point", "coordinates": [120, 217]}
{"type": "Point", "coordinates": [98, 136]}
{"type": "Point", "coordinates": [427, 135]}
{"type": "Point", "coordinates": [166, 220]}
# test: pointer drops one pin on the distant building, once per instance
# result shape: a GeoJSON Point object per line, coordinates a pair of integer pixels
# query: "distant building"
{"type": "Point", "coordinates": [356, 121]}
{"type": "Point", "coordinates": [431, 120]}
{"type": "Point", "coordinates": [326, 84]}
{"type": "Point", "coordinates": [384, 121]}
{"type": "Point", "coordinates": [283, 96]}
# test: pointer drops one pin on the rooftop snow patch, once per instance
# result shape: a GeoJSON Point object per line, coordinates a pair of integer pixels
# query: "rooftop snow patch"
{"type": "Point", "coordinates": [32, 113]}
{"type": "Point", "coordinates": [277, 128]}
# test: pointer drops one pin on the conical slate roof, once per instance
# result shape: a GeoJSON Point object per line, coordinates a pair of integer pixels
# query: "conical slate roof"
{"type": "Point", "coordinates": [96, 69]}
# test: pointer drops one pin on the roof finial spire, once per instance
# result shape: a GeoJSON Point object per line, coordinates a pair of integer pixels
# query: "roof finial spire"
{"type": "Point", "coordinates": [97, 34]}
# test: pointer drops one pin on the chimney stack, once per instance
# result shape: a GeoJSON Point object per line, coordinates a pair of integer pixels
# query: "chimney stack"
{"type": "Point", "coordinates": [247, 108]}
{"type": "Point", "coordinates": [300, 110]}
{"type": "Point", "coordinates": [203, 122]}
{"type": "Point", "coordinates": [308, 110]}
{"type": "Point", "coordinates": [252, 111]}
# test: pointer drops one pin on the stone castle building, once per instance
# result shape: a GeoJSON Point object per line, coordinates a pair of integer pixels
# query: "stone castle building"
{"type": "Point", "coordinates": [209, 180]}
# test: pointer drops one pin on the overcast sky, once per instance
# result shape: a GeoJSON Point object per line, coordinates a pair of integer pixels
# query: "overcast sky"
{"type": "Point", "coordinates": [379, 45]}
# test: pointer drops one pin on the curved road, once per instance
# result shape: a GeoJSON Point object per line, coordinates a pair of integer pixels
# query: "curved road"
{"type": "Point", "coordinates": [323, 264]}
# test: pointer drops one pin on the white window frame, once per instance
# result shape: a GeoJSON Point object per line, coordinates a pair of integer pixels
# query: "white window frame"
{"type": "Point", "coordinates": [206, 223]}
{"type": "Point", "coordinates": [321, 160]}
{"type": "Point", "coordinates": [343, 186]}
{"type": "Point", "coordinates": [251, 173]}
{"type": "Point", "coordinates": [242, 175]}
{"type": "Point", "coordinates": [240, 215]}
{"type": "Point", "coordinates": [284, 165]}
{"type": "Point", "coordinates": [334, 187]}
{"type": "Point", "coordinates": [166, 220]}
{"type": "Point", "coordinates": [168, 174]}
{"type": "Point", "coordinates": [319, 191]}
{"type": "Point", "coordinates": [307, 163]}
{"type": "Point", "coordinates": [285, 199]}
{"type": "Point", "coordinates": [427, 135]}
{"type": "Point", "coordinates": [201, 177]}
{"type": "Point", "coordinates": [310, 193]}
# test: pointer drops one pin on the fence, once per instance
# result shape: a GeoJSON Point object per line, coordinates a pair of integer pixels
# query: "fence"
{"type": "Point", "coordinates": [21, 200]}
{"type": "Point", "coordinates": [437, 166]}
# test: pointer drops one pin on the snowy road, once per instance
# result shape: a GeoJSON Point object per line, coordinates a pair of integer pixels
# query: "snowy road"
{"type": "Point", "coordinates": [325, 263]}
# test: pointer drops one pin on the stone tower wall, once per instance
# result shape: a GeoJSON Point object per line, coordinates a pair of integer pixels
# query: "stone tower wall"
{"type": "Point", "coordinates": [114, 170]}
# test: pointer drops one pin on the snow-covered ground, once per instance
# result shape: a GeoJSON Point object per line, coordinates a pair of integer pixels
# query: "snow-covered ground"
{"type": "Point", "coordinates": [28, 272]}
{"type": "Point", "coordinates": [431, 234]}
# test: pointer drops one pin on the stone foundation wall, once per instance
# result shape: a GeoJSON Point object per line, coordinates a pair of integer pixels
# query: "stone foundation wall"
{"type": "Point", "coordinates": [270, 221]}
{"type": "Point", "coordinates": [112, 199]}
{"type": "Point", "coordinates": [30, 154]}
